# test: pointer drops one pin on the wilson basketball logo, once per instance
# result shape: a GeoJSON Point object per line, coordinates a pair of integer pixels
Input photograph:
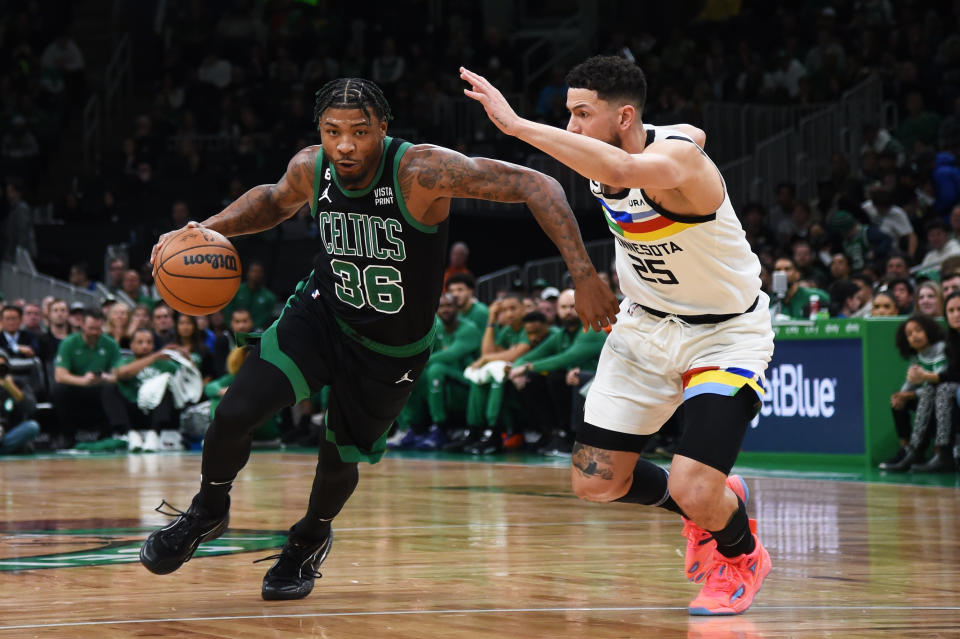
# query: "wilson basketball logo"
{"type": "Point", "coordinates": [213, 260]}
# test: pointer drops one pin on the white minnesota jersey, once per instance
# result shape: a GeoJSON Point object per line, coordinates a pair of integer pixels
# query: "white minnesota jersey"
{"type": "Point", "coordinates": [680, 264]}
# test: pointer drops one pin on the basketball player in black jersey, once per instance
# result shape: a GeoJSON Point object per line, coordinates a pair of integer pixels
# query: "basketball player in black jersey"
{"type": "Point", "coordinates": [362, 321]}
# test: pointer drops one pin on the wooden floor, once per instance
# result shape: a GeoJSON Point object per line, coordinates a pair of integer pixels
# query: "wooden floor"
{"type": "Point", "coordinates": [432, 548]}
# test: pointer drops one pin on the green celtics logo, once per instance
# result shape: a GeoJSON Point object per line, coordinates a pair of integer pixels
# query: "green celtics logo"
{"type": "Point", "coordinates": [43, 549]}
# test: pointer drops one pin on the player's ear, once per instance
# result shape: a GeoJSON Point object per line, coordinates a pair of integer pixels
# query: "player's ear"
{"type": "Point", "coordinates": [383, 128]}
{"type": "Point", "coordinates": [626, 115]}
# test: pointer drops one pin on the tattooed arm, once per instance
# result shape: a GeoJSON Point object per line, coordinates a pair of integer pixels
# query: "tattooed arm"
{"type": "Point", "coordinates": [264, 206]}
{"type": "Point", "coordinates": [430, 173]}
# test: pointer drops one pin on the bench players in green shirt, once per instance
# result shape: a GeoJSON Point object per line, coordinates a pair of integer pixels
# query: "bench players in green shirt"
{"type": "Point", "coordinates": [442, 386]}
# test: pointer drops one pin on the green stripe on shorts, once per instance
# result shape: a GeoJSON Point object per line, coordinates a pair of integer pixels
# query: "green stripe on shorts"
{"type": "Point", "coordinates": [351, 453]}
{"type": "Point", "coordinates": [270, 352]}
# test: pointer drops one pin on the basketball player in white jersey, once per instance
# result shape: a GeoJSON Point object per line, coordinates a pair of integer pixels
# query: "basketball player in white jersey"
{"type": "Point", "coordinates": [693, 331]}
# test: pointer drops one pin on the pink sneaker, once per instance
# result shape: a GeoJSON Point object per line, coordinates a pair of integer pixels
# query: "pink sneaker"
{"type": "Point", "coordinates": [731, 585]}
{"type": "Point", "coordinates": [700, 543]}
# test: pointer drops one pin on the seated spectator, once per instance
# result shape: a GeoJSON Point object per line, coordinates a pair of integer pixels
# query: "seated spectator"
{"type": "Point", "coordinates": [75, 317]}
{"type": "Point", "coordinates": [844, 298]}
{"type": "Point", "coordinates": [807, 264]}
{"type": "Point", "coordinates": [117, 324]}
{"type": "Point", "coordinates": [902, 293]}
{"type": "Point", "coordinates": [164, 330]}
{"type": "Point", "coordinates": [896, 268]}
{"type": "Point", "coordinates": [940, 245]}
{"type": "Point", "coordinates": [442, 389]}
{"type": "Point", "coordinates": [190, 341]}
{"type": "Point", "coordinates": [865, 285]}
{"type": "Point", "coordinates": [461, 286]}
{"type": "Point", "coordinates": [839, 267]}
{"type": "Point", "coordinates": [541, 375]}
{"type": "Point", "coordinates": [920, 341]}
{"type": "Point", "coordinates": [84, 364]}
{"type": "Point", "coordinates": [240, 322]}
{"type": "Point", "coordinates": [135, 290]}
{"type": "Point", "coordinates": [883, 305]}
{"type": "Point", "coordinates": [892, 220]}
{"type": "Point", "coordinates": [504, 340]}
{"type": "Point", "coordinates": [17, 342]}
{"type": "Point", "coordinates": [120, 400]}
{"type": "Point", "coordinates": [796, 302]}
{"type": "Point", "coordinates": [32, 319]}
{"type": "Point", "coordinates": [17, 430]}
{"type": "Point", "coordinates": [947, 383]}
{"type": "Point", "coordinates": [254, 296]}
{"type": "Point", "coordinates": [79, 277]}
{"type": "Point", "coordinates": [928, 298]}
{"type": "Point", "coordinates": [57, 329]}
{"type": "Point", "coordinates": [115, 274]}
{"type": "Point", "coordinates": [547, 304]}
{"type": "Point", "coordinates": [863, 244]}
{"type": "Point", "coordinates": [919, 125]}
{"type": "Point", "coordinates": [457, 265]}
{"type": "Point", "coordinates": [950, 283]}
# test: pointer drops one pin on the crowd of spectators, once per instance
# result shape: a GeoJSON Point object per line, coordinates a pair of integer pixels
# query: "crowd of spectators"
{"type": "Point", "coordinates": [224, 91]}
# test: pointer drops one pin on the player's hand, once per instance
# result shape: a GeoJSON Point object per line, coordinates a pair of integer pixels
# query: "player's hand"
{"type": "Point", "coordinates": [596, 305]}
{"type": "Point", "coordinates": [498, 109]}
{"type": "Point", "coordinates": [166, 238]}
{"type": "Point", "coordinates": [573, 377]}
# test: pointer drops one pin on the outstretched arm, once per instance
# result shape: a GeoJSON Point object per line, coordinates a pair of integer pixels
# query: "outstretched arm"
{"type": "Point", "coordinates": [431, 172]}
{"type": "Point", "coordinates": [264, 206]}
{"type": "Point", "coordinates": [591, 158]}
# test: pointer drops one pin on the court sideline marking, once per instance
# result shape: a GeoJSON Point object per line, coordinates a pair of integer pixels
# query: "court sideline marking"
{"type": "Point", "coordinates": [380, 613]}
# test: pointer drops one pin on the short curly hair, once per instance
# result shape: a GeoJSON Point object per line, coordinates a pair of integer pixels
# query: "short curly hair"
{"type": "Point", "coordinates": [612, 77]}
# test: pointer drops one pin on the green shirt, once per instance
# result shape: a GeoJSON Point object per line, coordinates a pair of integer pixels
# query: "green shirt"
{"type": "Point", "coordinates": [563, 350]}
{"type": "Point", "coordinates": [479, 314]}
{"type": "Point", "coordinates": [457, 348]}
{"type": "Point", "coordinates": [507, 337]}
{"type": "Point", "coordinates": [260, 304]}
{"type": "Point", "coordinates": [131, 386]}
{"type": "Point", "coordinates": [78, 358]}
{"type": "Point", "coordinates": [798, 305]}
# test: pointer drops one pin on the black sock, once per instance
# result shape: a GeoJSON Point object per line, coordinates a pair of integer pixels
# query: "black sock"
{"type": "Point", "coordinates": [213, 495]}
{"type": "Point", "coordinates": [649, 488]}
{"type": "Point", "coordinates": [311, 529]}
{"type": "Point", "coordinates": [735, 539]}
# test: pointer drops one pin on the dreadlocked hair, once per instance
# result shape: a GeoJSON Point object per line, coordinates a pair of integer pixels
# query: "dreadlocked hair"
{"type": "Point", "coordinates": [352, 93]}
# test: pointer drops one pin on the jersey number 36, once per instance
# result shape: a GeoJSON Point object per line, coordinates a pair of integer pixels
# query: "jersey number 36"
{"type": "Point", "coordinates": [378, 286]}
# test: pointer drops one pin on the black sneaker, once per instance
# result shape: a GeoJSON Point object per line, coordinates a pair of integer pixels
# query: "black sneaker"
{"type": "Point", "coordinates": [559, 445]}
{"type": "Point", "coordinates": [167, 549]}
{"type": "Point", "coordinates": [490, 443]}
{"type": "Point", "coordinates": [461, 439]}
{"type": "Point", "coordinates": [297, 566]}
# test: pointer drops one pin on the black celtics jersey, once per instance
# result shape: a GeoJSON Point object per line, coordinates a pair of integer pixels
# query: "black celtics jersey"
{"type": "Point", "coordinates": [379, 270]}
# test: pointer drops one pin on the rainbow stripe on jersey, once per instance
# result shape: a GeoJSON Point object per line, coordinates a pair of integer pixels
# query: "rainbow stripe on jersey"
{"type": "Point", "coordinates": [720, 381]}
{"type": "Point", "coordinates": [645, 226]}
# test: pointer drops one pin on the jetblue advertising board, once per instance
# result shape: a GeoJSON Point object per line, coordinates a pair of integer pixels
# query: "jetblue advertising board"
{"type": "Point", "coordinates": [814, 399]}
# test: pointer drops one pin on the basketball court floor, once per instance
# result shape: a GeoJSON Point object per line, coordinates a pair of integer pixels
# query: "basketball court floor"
{"type": "Point", "coordinates": [434, 546]}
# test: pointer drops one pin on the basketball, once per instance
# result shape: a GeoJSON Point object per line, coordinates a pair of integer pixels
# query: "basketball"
{"type": "Point", "coordinates": [197, 271]}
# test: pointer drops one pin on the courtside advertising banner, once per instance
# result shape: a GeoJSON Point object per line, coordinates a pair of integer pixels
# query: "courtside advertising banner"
{"type": "Point", "coordinates": [813, 401]}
